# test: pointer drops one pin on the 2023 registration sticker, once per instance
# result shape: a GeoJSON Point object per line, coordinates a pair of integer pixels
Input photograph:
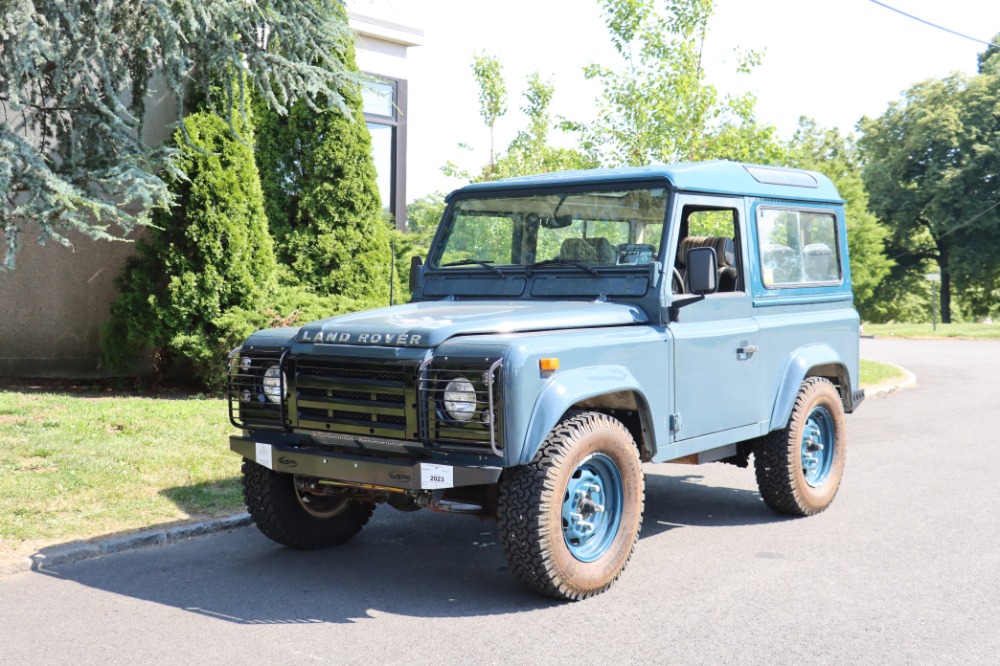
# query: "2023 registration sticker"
{"type": "Point", "coordinates": [436, 476]}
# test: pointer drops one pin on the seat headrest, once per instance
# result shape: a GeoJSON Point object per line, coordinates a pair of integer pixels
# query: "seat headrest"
{"type": "Point", "coordinates": [590, 250]}
{"type": "Point", "coordinates": [725, 249]}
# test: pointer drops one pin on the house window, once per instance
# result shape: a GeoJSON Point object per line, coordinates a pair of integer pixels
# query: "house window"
{"type": "Point", "coordinates": [385, 114]}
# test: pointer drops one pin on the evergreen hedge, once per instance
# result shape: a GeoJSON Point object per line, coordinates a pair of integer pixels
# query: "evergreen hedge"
{"type": "Point", "coordinates": [200, 280]}
{"type": "Point", "coordinates": [321, 198]}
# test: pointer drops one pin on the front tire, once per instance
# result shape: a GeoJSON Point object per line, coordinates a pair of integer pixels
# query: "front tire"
{"type": "Point", "coordinates": [570, 519]}
{"type": "Point", "coordinates": [297, 519]}
{"type": "Point", "coordinates": [799, 467]}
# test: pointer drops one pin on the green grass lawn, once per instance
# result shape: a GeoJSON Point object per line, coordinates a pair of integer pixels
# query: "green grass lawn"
{"type": "Point", "coordinates": [874, 373]}
{"type": "Point", "coordinates": [972, 331]}
{"type": "Point", "coordinates": [75, 466]}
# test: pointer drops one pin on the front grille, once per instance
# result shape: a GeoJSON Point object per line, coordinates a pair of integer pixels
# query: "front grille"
{"type": "Point", "coordinates": [383, 400]}
{"type": "Point", "coordinates": [481, 433]}
{"type": "Point", "coordinates": [248, 405]}
{"type": "Point", "coordinates": [340, 395]}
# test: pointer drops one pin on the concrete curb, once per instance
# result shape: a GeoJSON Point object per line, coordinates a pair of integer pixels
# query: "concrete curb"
{"type": "Point", "coordinates": [84, 550]}
{"type": "Point", "coordinates": [882, 390]}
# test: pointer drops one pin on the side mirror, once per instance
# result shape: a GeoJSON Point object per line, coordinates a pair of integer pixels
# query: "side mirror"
{"type": "Point", "coordinates": [415, 264]}
{"type": "Point", "coordinates": [702, 270]}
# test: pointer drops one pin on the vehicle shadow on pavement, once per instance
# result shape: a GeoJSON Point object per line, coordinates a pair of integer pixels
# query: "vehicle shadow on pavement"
{"type": "Point", "coordinates": [411, 564]}
{"type": "Point", "coordinates": [683, 501]}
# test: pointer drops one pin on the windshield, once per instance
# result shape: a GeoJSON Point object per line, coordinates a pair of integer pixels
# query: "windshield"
{"type": "Point", "coordinates": [597, 228]}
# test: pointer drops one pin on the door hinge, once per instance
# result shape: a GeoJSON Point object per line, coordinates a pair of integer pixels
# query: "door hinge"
{"type": "Point", "coordinates": [675, 423]}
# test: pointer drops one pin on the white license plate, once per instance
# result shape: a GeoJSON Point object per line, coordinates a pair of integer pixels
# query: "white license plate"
{"type": "Point", "coordinates": [263, 456]}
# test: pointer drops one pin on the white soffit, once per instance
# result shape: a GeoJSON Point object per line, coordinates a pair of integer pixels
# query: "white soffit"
{"type": "Point", "coordinates": [368, 26]}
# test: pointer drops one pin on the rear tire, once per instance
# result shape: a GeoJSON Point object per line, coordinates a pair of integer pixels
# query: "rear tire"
{"type": "Point", "coordinates": [570, 519]}
{"type": "Point", "coordinates": [799, 467]}
{"type": "Point", "coordinates": [295, 519]}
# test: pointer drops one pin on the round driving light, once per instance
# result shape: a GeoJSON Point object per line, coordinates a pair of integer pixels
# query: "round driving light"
{"type": "Point", "coordinates": [272, 384]}
{"type": "Point", "coordinates": [460, 399]}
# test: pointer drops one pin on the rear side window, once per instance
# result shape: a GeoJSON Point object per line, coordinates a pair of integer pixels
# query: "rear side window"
{"type": "Point", "coordinates": [797, 247]}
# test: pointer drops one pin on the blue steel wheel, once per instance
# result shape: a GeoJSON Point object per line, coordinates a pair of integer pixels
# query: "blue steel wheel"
{"type": "Point", "coordinates": [592, 506]}
{"type": "Point", "coordinates": [799, 467]}
{"type": "Point", "coordinates": [817, 446]}
{"type": "Point", "coordinates": [569, 520]}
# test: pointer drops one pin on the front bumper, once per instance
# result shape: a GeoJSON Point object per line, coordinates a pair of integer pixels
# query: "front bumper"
{"type": "Point", "coordinates": [359, 470]}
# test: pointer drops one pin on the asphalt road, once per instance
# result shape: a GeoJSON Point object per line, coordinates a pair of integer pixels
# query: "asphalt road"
{"type": "Point", "coordinates": [903, 568]}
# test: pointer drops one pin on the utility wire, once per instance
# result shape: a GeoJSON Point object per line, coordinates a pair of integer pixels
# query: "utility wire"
{"type": "Point", "coordinates": [933, 25]}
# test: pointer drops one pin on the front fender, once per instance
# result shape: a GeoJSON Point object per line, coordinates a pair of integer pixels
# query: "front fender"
{"type": "Point", "coordinates": [565, 390]}
{"type": "Point", "coordinates": [795, 371]}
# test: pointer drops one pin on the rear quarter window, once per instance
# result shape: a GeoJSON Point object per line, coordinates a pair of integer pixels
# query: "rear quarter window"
{"type": "Point", "coordinates": [798, 247]}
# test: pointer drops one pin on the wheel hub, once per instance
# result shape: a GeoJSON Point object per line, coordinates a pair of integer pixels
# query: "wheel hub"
{"type": "Point", "coordinates": [591, 511]}
{"type": "Point", "coordinates": [817, 446]}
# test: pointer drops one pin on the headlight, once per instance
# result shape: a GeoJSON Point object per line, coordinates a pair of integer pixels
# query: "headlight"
{"type": "Point", "coordinates": [460, 399]}
{"type": "Point", "coordinates": [272, 384]}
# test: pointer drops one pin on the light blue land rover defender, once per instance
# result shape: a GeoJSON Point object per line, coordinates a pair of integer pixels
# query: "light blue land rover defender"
{"type": "Point", "coordinates": [565, 329]}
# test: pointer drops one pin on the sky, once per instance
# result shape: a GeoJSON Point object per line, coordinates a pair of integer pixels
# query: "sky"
{"type": "Point", "coordinates": [832, 60]}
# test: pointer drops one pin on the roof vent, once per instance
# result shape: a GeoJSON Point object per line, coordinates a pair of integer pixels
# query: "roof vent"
{"type": "Point", "coordinates": [775, 176]}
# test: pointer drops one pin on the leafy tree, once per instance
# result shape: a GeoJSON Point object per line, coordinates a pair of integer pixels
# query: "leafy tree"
{"type": "Point", "coordinates": [931, 172]}
{"type": "Point", "coordinates": [987, 55]}
{"type": "Point", "coordinates": [530, 152]}
{"type": "Point", "coordinates": [657, 106]}
{"type": "Point", "coordinates": [424, 213]}
{"type": "Point", "coordinates": [492, 93]}
{"type": "Point", "coordinates": [422, 218]}
{"type": "Point", "coordinates": [322, 200]}
{"type": "Point", "coordinates": [76, 77]}
{"type": "Point", "coordinates": [190, 293]}
{"type": "Point", "coordinates": [837, 157]}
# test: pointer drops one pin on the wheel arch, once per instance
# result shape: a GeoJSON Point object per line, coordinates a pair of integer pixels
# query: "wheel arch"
{"type": "Point", "coordinates": [612, 390]}
{"type": "Point", "coordinates": [819, 360]}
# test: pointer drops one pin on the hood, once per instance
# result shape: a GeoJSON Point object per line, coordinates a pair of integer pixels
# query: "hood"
{"type": "Point", "coordinates": [429, 324]}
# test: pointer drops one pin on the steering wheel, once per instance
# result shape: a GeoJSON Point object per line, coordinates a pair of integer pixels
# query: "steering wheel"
{"type": "Point", "coordinates": [677, 283]}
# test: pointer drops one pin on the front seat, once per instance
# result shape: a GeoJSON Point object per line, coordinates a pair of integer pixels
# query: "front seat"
{"type": "Point", "coordinates": [589, 250]}
{"type": "Point", "coordinates": [725, 254]}
{"type": "Point", "coordinates": [725, 250]}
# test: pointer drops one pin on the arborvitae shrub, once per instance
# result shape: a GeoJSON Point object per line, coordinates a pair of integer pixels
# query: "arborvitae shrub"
{"type": "Point", "coordinates": [199, 281]}
{"type": "Point", "coordinates": [322, 200]}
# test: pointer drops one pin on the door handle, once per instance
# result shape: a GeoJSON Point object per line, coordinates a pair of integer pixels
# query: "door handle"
{"type": "Point", "coordinates": [744, 353]}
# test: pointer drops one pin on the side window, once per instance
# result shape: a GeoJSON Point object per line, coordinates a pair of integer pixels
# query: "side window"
{"type": "Point", "coordinates": [797, 247]}
{"type": "Point", "coordinates": [716, 228]}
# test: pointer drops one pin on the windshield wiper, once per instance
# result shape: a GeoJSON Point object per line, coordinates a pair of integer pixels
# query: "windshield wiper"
{"type": "Point", "coordinates": [477, 262]}
{"type": "Point", "coordinates": [564, 262]}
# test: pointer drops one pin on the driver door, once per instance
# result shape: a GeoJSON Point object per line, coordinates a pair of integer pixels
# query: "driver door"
{"type": "Point", "coordinates": [717, 371]}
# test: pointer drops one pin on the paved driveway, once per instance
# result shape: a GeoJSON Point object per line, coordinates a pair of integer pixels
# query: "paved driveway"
{"type": "Point", "coordinates": [904, 568]}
